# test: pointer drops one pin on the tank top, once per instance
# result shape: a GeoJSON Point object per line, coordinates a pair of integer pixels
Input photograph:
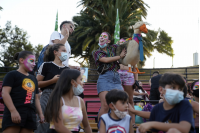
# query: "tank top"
{"type": "Point", "coordinates": [116, 126]}
{"type": "Point", "coordinates": [72, 116]}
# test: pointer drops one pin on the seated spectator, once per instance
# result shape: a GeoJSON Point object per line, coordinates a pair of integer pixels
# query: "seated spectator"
{"type": "Point", "coordinates": [154, 92]}
{"type": "Point", "coordinates": [118, 120]}
{"type": "Point", "coordinates": [154, 74]}
{"type": "Point", "coordinates": [65, 111]}
{"type": "Point", "coordinates": [138, 93]}
{"type": "Point", "coordinates": [195, 89]}
{"type": "Point", "coordinates": [175, 110]}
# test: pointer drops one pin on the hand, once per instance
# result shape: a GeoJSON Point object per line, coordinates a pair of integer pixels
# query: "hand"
{"type": "Point", "coordinates": [130, 108]}
{"type": "Point", "coordinates": [123, 53]}
{"type": "Point", "coordinates": [144, 127]}
{"type": "Point", "coordinates": [41, 118]}
{"type": "Point", "coordinates": [55, 78]}
{"type": "Point", "coordinates": [67, 31]}
{"type": "Point", "coordinates": [16, 118]}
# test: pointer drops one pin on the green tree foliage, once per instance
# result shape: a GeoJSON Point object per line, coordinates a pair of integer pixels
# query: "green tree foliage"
{"type": "Point", "coordinates": [13, 40]}
{"type": "Point", "coordinates": [99, 15]}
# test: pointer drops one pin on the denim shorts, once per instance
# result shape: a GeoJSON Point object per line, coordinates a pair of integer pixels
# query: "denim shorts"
{"type": "Point", "coordinates": [108, 81]}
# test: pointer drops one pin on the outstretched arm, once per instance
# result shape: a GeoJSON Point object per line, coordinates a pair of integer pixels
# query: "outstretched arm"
{"type": "Point", "coordinates": [143, 114]}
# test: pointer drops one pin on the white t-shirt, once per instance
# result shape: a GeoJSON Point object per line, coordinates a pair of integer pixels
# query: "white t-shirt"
{"type": "Point", "coordinates": [55, 35]}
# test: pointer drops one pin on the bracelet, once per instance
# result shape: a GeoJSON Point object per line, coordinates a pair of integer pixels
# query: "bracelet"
{"type": "Point", "coordinates": [120, 56]}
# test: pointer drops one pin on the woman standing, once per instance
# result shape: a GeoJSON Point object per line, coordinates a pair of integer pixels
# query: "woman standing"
{"type": "Point", "coordinates": [48, 74]}
{"type": "Point", "coordinates": [107, 66]}
{"type": "Point", "coordinates": [127, 79]}
{"type": "Point", "coordinates": [65, 110]}
{"type": "Point", "coordinates": [20, 96]}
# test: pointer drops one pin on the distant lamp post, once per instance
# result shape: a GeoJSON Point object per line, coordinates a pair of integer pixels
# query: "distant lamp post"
{"type": "Point", "coordinates": [154, 62]}
{"type": "Point", "coordinates": [195, 59]}
{"type": "Point", "coordinates": [172, 62]}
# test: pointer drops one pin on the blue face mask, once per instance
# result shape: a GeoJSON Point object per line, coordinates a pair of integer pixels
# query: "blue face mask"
{"type": "Point", "coordinates": [63, 56]}
{"type": "Point", "coordinates": [102, 46]}
{"type": "Point", "coordinates": [173, 96]}
{"type": "Point", "coordinates": [77, 90]}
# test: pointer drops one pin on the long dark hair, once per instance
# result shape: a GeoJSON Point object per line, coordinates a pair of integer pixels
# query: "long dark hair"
{"type": "Point", "coordinates": [62, 87]}
{"type": "Point", "coordinates": [136, 86]}
{"type": "Point", "coordinates": [49, 52]}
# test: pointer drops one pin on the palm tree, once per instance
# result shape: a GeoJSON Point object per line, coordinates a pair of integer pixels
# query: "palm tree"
{"type": "Point", "coordinates": [97, 17]}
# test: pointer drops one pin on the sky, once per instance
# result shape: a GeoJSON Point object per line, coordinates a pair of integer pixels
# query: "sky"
{"type": "Point", "coordinates": [179, 18]}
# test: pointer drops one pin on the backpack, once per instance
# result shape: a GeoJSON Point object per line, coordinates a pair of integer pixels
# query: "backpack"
{"type": "Point", "coordinates": [148, 107]}
{"type": "Point", "coordinates": [41, 56]}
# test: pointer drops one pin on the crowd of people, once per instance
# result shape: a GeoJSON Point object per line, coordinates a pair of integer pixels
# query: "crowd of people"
{"type": "Point", "coordinates": [61, 109]}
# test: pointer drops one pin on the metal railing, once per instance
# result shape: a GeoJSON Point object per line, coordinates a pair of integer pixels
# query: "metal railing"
{"type": "Point", "coordinates": [150, 72]}
{"type": "Point", "coordinates": [4, 70]}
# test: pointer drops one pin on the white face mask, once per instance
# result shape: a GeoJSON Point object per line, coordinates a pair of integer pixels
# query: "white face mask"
{"type": "Point", "coordinates": [118, 113]}
{"type": "Point", "coordinates": [173, 96]}
{"type": "Point", "coordinates": [77, 90]}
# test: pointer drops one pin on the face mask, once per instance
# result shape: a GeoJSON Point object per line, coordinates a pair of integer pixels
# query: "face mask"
{"type": "Point", "coordinates": [102, 46]}
{"type": "Point", "coordinates": [29, 62]}
{"type": "Point", "coordinates": [77, 90]}
{"type": "Point", "coordinates": [119, 114]}
{"type": "Point", "coordinates": [173, 96]}
{"type": "Point", "coordinates": [63, 56]}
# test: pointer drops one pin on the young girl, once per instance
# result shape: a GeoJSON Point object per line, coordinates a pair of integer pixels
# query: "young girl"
{"type": "Point", "coordinates": [65, 110]}
{"type": "Point", "coordinates": [20, 95]}
{"type": "Point", "coordinates": [48, 74]}
{"type": "Point", "coordinates": [107, 66]}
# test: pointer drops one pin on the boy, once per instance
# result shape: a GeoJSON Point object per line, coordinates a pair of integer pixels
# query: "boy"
{"type": "Point", "coordinates": [174, 112]}
{"type": "Point", "coordinates": [118, 121]}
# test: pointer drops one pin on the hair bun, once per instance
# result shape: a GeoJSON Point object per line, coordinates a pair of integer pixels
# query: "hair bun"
{"type": "Point", "coordinates": [16, 56]}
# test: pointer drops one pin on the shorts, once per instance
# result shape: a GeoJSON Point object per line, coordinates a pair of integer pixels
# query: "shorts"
{"type": "Point", "coordinates": [108, 81]}
{"type": "Point", "coordinates": [54, 131]}
{"type": "Point", "coordinates": [126, 77]}
{"type": "Point", "coordinates": [28, 119]}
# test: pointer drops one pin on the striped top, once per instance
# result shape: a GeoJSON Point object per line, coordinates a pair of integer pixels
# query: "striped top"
{"type": "Point", "coordinates": [99, 53]}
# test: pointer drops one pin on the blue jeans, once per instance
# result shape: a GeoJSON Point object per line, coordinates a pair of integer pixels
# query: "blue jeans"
{"type": "Point", "coordinates": [108, 81]}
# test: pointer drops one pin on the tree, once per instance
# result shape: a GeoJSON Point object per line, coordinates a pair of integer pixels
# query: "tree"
{"type": "Point", "coordinates": [13, 40]}
{"type": "Point", "coordinates": [96, 17]}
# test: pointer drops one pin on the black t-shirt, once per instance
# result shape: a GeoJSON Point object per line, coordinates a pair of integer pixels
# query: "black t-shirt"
{"type": "Point", "coordinates": [49, 70]}
{"type": "Point", "coordinates": [23, 89]}
{"type": "Point", "coordinates": [180, 112]}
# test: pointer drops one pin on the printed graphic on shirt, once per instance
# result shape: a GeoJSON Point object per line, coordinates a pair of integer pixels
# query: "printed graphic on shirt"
{"type": "Point", "coordinates": [29, 86]}
{"type": "Point", "coordinates": [116, 129]}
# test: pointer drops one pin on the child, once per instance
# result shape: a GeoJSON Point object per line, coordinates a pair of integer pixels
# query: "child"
{"type": "Point", "coordinates": [118, 120]}
{"type": "Point", "coordinates": [48, 74]}
{"type": "Point", "coordinates": [174, 112]}
{"type": "Point", "coordinates": [65, 111]}
{"type": "Point", "coordinates": [20, 95]}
